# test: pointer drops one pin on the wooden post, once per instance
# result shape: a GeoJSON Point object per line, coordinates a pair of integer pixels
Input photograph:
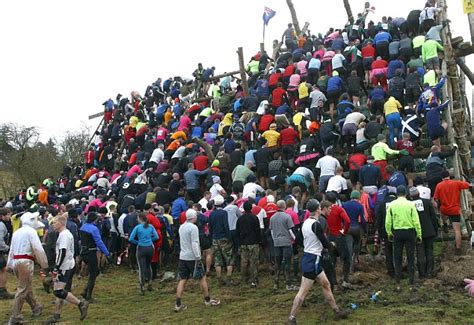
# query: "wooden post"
{"type": "Point", "coordinates": [470, 18]}
{"type": "Point", "coordinates": [262, 48]}
{"type": "Point", "coordinates": [243, 74]}
{"type": "Point", "coordinates": [455, 114]}
{"type": "Point", "coordinates": [294, 18]}
{"type": "Point", "coordinates": [347, 6]}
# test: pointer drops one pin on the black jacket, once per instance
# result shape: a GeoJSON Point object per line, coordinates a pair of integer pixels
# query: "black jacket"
{"type": "Point", "coordinates": [428, 218]}
{"type": "Point", "coordinates": [248, 229]}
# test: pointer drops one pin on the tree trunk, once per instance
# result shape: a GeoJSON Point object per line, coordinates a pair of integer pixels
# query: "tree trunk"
{"type": "Point", "coordinates": [294, 18]}
{"type": "Point", "coordinates": [347, 6]}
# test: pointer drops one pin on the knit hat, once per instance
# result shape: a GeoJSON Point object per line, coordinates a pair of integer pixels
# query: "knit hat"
{"type": "Point", "coordinates": [445, 174]}
{"type": "Point", "coordinates": [401, 189]}
{"type": "Point", "coordinates": [335, 73]}
{"type": "Point", "coordinates": [414, 191]}
{"type": "Point", "coordinates": [355, 195]}
{"type": "Point", "coordinates": [191, 214]}
{"type": "Point", "coordinates": [218, 200]}
{"type": "Point", "coordinates": [381, 137]}
{"type": "Point", "coordinates": [216, 179]}
{"type": "Point", "coordinates": [215, 163]}
{"type": "Point", "coordinates": [273, 126]}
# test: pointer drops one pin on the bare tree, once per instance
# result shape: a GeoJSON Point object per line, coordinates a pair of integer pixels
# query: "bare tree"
{"type": "Point", "coordinates": [294, 18]}
{"type": "Point", "coordinates": [74, 145]}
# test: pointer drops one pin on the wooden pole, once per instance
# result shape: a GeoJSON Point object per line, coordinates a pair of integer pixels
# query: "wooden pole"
{"type": "Point", "coordinates": [262, 48]}
{"type": "Point", "coordinates": [294, 18]}
{"type": "Point", "coordinates": [455, 114]}
{"type": "Point", "coordinates": [347, 6]}
{"type": "Point", "coordinates": [243, 74]}
{"type": "Point", "coordinates": [470, 18]}
{"type": "Point", "coordinates": [456, 106]}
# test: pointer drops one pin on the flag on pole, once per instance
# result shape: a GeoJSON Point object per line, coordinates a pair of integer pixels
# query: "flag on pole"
{"type": "Point", "coordinates": [267, 15]}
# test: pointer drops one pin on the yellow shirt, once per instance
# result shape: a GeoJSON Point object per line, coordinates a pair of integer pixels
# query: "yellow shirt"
{"type": "Point", "coordinates": [169, 217]}
{"type": "Point", "coordinates": [133, 121]}
{"type": "Point", "coordinates": [297, 119]}
{"type": "Point", "coordinates": [391, 106]}
{"type": "Point", "coordinates": [167, 117]}
{"type": "Point", "coordinates": [303, 90]}
{"type": "Point", "coordinates": [272, 137]}
{"type": "Point", "coordinates": [16, 222]}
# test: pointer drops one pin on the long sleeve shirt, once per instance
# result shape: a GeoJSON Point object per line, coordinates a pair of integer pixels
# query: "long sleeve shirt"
{"type": "Point", "coordinates": [337, 217]}
{"type": "Point", "coordinates": [248, 229]}
{"type": "Point", "coordinates": [402, 214]}
{"type": "Point", "coordinates": [355, 211]}
{"type": "Point", "coordinates": [430, 49]}
{"type": "Point", "coordinates": [380, 150]}
{"type": "Point", "coordinates": [191, 178]}
{"type": "Point", "coordinates": [94, 232]}
{"type": "Point", "coordinates": [142, 236]}
{"type": "Point", "coordinates": [3, 237]}
{"type": "Point", "coordinates": [25, 241]}
{"type": "Point", "coordinates": [219, 224]}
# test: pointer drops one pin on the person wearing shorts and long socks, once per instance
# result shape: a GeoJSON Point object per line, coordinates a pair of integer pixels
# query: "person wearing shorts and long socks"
{"type": "Point", "coordinates": [143, 236]}
{"type": "Point", "coordinates": [63, 271]}
{"type": "Point", "coordinates": [448, 196]}
{"type": "Point", "coordinates": [190, 264]}
{"type": "Point", "coordinates": [314, 241]}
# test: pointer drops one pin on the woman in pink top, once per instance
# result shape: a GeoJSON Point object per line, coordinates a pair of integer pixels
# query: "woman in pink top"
{"type": "Point", "coordinates": [135, 169]}
{"type": "Point", "coordinates": [184, 122]}
{"type": "Point", "coordinates": [301, 66]}
{"type": "Point", "coordinates": [290, 204]}
{"type": "Point", "coordinates": [293, 88]}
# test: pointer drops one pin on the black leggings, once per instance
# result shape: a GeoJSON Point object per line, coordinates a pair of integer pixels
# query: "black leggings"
{"type": "Point", "coordinates": [144, 255]}
{"type": "Point", "coordinates": [90, 258]}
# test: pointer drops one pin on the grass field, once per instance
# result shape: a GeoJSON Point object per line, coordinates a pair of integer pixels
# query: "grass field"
{"type": "Point", "coordinates": [120, 303]}
{"type": "Point", "coordinates": [435, 301]}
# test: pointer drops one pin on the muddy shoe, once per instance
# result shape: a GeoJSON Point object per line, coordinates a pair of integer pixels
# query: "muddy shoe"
{"type": "Point", "coordinates": [149, 287]}
{"type": "Point", "coordinates": [212, 302]}
{"type": "Point", "coordinates": [341, 314]}
{"type": "Point", "coordinates": [16, 320]}
{"type": "Point", "coordinates": [346, 285]}
{"type": "Point", "coordinates": [458, 252]}
{"type": "Point", "coordinates": [47, 284]}
{"type": "Point", "coordinates": [4, 294]}
{"type": "Point", "coordinates": [52, 320]}
{"type": "Point", "coordinates": [37, 310]}
{"type": "Point", "coordinates": [83, 306]}
{"type": "Point", "coordinates": [180, 308]}
{"type": "Point", "coordinates": [142, 290]}
{"type": "Point", "coordinates": [292, 287]}
{"type": "Point", "coordinates": [291, 320]}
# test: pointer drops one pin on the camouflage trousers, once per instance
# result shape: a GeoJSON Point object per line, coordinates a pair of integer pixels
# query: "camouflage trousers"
{"type": "Point", "coordinates": [249, 255]}
{"type": "Point", "coordinates": [222, 250]}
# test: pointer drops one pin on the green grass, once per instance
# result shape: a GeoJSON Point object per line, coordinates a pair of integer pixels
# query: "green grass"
{"type": "Point", "coordinates": [120, 303]}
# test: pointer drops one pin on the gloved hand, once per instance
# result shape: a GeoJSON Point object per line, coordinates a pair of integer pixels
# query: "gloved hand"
{"type": "Point", "coordinates": [404, 152]}
{"type": "Point", "coordinates": [469, 286]}
{"type": "Point", "coordinates": [390, 238]}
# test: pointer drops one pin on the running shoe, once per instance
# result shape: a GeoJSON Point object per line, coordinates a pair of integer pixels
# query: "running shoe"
{"type": "Point", "coordinates": [180, 308]}
{"type": "Point", "coordinates": [341, 314]}
{"type": "Point", "coordinates": [83, 306]}
{"type": "Point", "coordinates": [213, 302]}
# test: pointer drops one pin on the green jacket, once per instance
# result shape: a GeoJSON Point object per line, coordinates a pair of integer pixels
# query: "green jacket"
{"type": "Point", "coordinates": [402, 214]}
{"type": "Point", "coordinates": [430, 49]}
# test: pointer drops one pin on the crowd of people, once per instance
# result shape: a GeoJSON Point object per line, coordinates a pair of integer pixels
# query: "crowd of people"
{"type": "Point", "coordinates": [283, 181]}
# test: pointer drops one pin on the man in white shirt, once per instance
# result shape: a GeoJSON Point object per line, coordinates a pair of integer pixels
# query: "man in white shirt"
{"type": "Point", "coordinates": [425, 192]}
{"type": "Point", "coordinates": [63, 271]}
{"type": "Point", "coordinates": [190, 264]}
{"type": "Point", "coordinates": [338, 62]}
{"type": "Point", "coordinates": [25, 248]}
{"type": "Point", "coordinates": [251, 187]}
{"type": "Point", "coordinates": [157, 155]}
{"type": "Point", "coordinates": [327, 166]}
{"type": "Point", "coordinates": [217, 189]}
{"type": "Point", "coordinates": [205, 200]}
{"type": "Point", "coordinates": [337, 183]}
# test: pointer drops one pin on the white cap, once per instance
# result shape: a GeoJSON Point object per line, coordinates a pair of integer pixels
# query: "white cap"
{"type": "Point", "coordinates": [219, 200]}
{"type": "Point", "coordinates": [191, 214]}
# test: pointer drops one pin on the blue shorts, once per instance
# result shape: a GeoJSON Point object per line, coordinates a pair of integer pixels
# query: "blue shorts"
{"type": "Point", "coordinates": [311, 266]}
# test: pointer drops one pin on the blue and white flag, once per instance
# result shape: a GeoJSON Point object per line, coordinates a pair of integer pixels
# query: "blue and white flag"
{"type": "Point", "coordinates": [267, 15]}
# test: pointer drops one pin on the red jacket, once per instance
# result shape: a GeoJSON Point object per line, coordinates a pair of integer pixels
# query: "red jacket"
{"type": "Point", "coordinates": [288, 136]}
{"type": "Point", "coordinates": [368, 51]}
{"type": "Point", "coordinates": [277, 97]}
{"type": "Point", "coordinates": [336, 218]}
{"type": "Point", "coordinates": [89, 156]}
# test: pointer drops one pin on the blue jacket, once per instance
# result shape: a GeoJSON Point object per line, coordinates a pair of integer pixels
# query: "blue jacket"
{"type": "Point", "coordinates": [179, 205]}
{"type": "Point", "coordinates": [335, 83]}
{"type": "Point", "coordinates": [146, 236]}
{"type": "Point", "coordinates": [355, 211]}
{"type": "Point", "coordinates": [382, 37]}
{"type": "Point", "coordinates": [370, 175]}
{"type": "Point", "coordinates": [219, 224]}
{"type": "Point", "coordinates": [393, 66]}
{"type": "Point", "coordinates": [92, 229]}
{"type": "Point", "coordinates": [377, 94]}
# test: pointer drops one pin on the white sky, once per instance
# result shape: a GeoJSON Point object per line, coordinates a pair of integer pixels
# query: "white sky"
{"type": "Point", "coordinates": [62, 59]}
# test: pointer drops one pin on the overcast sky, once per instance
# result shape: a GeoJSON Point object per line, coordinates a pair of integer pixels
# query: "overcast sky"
{"type": "Point", "coordinates": [61, 59]}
